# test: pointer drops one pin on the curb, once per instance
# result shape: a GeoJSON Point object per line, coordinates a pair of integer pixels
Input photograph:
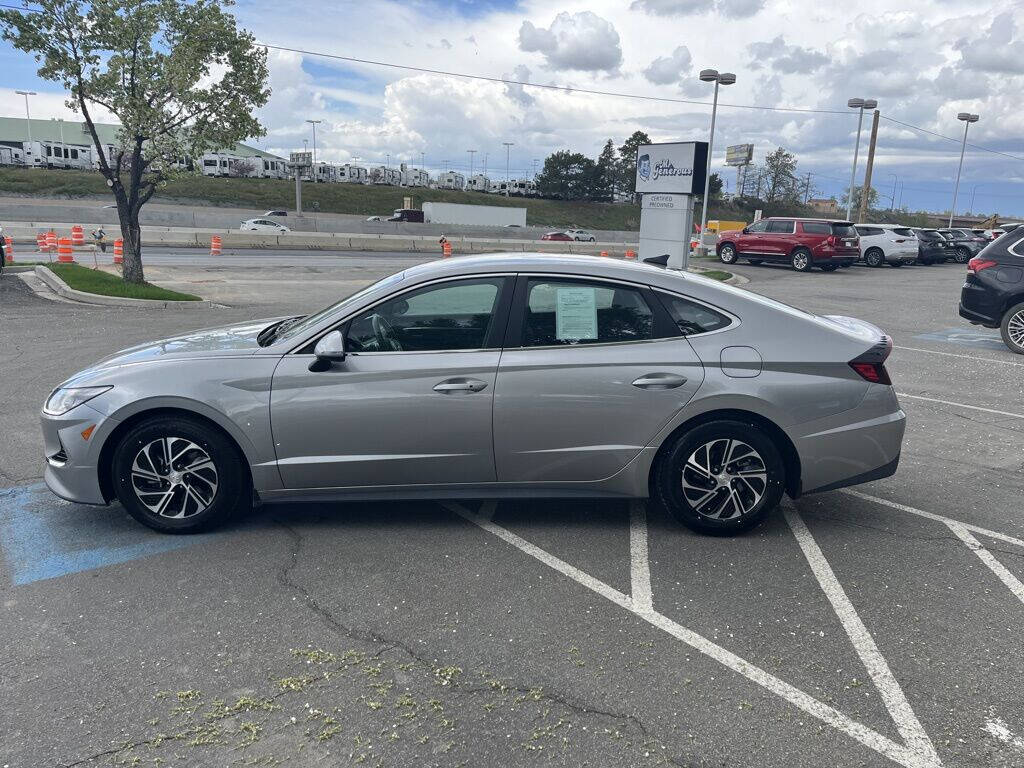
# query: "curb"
{"type": "Point", "coordinates": [62, 289]}
{"type": "Point", "coordinates": [734, 280]}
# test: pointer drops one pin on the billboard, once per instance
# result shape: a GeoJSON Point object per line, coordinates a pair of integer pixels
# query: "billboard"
{"type": "Point", "coordinates": [739, 154]}
{"type": "Point", "coordinates": [301, 158]}
{"type": "Point", "coordinates": [676, 168]}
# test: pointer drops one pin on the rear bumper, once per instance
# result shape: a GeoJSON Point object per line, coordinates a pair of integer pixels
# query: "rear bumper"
{"type": "Point", "coordinates": [978, 317]}
{"type": "Point", "coordinates": [836, 260]}
{"type": "Point", "coordinates": [856, 452]}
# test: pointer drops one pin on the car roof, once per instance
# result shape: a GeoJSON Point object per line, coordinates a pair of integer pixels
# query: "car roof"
{"type": "Point", "coordinates": [595, 266]}
{"type": "Point", "coordinates": [805, 218]}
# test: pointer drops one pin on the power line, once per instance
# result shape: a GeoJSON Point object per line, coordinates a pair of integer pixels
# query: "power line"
{"type": "Point", "coordinates": [950, 138]}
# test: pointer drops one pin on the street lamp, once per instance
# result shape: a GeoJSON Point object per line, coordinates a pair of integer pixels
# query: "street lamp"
{"type": "Point", "coordinates": [28, 119]}
{"type": "Point", "coordinates": [314, 123]}
{"type": "Point", "coordinates": [861, 105]}
{"type": "Point", "coordinates": [967, 119]}
{"type": "Point", "coordinates": [718, 78]}
{"type": "Point", "coordinates": [508, 145]}
{"type": "Point", "coordinates": [892, 200]}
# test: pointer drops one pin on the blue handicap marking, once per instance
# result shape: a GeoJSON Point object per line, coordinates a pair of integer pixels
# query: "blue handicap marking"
{"type": "Point", "coordinates": [44, 537]}
{"type": "Point", "coordinates": [966, 337]}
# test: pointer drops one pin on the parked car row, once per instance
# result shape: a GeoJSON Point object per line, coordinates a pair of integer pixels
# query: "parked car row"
{"type": "Point", "coordinates": [829, 244]}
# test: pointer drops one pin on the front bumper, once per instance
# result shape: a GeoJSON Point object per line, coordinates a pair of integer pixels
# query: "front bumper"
{"type": "Point", "coordinates": [72, 460]}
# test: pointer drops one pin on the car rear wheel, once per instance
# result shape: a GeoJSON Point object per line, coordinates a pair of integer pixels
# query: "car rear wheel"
{"type": "Point", "coordinates": [727, 254]}
{"type": "Point", "coordinates": [874, 257]}
{"type": "Point", "coordinates": [178, 475]}
{"type": "Point", "coordinates": [962, 255]}
{"type": "Point", "coordinates": [722, 478]}
{"type": "Point", "coordinates": [801, 260]}
{"type": "Point", "coordinates": [1012, 329]}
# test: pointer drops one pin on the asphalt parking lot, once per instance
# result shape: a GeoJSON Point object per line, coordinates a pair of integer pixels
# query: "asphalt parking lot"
{"type": "Point", "coordinates": [873, 627]}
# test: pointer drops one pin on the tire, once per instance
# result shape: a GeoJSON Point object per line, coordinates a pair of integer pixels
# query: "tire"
{"type": "Point", "coordinates": [755, 262]}
{"type": "Point", "coordinates": [1012, 328]}
{"type": "Point", "coordinates": [204, 497]}
{"type": "Point", "coordinates": [727, 254]}
{"type": "Point", "coordinates": [801, 261]}
{"type": "Point", "coordinates": [682, 489]}
{"type": "Point", "coordinates": [873, 257]}
{"type": "Point", "coordinates": [962, 255]}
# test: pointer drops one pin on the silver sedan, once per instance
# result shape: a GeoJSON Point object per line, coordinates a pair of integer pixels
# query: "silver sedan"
{"type": "Point", "coordinates": [490, 376]}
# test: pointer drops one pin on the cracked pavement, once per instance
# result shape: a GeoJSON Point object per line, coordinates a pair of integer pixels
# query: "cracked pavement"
{"type": "Point", "coordinates": [396, 634]}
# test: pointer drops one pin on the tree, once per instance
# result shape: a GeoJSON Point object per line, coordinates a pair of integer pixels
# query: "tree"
{"type": "Point", "coordinates": [627, 160]}
{"type": "Point", "coordinates": [780, 176]}
{"type": "Point", "coordinates": [567, 176]}
{"type": "Point", "coordinates": [715, 186]}
{"type": "Point", "coordinates": [607, 167]}
{"type": "Point", "coordinates": [857, 192]}
{"type": "Point", "coordinates": [180, 78]}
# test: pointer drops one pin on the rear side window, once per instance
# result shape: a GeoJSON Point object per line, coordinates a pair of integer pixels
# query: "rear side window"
{"type": "Point", "coordinates": [692, 318]}
{"type": "Point", "coordinates": [844, 230]}
{"type": "Point", "coordinates": [577, 312]}
{"type": "Point", "coordinates": [816, 228]}
{"type": "Point", "coordinates": [781, 227]}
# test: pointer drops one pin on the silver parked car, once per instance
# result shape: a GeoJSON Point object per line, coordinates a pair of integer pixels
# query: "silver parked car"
{"type": "Point", "coordinates": [489, 376]}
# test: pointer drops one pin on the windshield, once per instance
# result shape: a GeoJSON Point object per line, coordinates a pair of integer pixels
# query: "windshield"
{"type": "Point", "coordinates": [301, 325]}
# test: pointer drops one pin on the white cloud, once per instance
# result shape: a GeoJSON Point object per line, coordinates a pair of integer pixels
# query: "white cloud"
{"type": "Point", "coordinates": [580, 41]}
{"type": "Point", "coordinates": [997, 50]}
{"type": "Point", "coordinates": [785, 58]}
{"type": "Point", "coordinates": [670, 69]}
{"type": "Point", "coordinates": [672, 7]}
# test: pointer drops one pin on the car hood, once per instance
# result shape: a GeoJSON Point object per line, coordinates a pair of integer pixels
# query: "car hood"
{"type": "Point", "coordinates": [228, 340]}
{"type": "Point", "coordinates": [730, 232]}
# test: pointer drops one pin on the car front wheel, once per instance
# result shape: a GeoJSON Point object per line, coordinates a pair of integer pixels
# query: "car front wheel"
{"type": "Point", "coordinates": [1012, 329]}
{"type": "Point", "coordinates": [178, 475]}
{"type": "Point", "coordinates": [722, 478]}
{"type": "Point", "coordinates": [727, 254]}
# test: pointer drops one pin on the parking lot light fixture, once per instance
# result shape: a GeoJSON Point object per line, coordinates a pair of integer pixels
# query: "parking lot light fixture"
{"type": "Point", "coordinates": [967, 119]}
{"type": "Point", "coordinates": [861, 105]}
{"type": "Point", "coordinates": [28, 117]}
{"type": "Point", "coordinates": [718, 78]}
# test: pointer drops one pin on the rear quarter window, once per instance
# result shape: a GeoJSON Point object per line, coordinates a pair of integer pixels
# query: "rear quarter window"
{"type": "Point", "coordinates": [904, 231]}
{"type": "Point", "coordinates": [693, 318]}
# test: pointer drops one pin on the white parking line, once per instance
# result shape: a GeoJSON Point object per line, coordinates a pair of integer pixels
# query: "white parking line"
{"type": "Point", "coordinates": [966, 357]}
{"type": "Point", "coordinates": [907, 756]}
{"type": "Point", "coordinates": [639, 563]}
{"type": "Point", "coordinates": [1012, 582]}
{"type": "Point", "coordinates": [864, 644]}
{"type": "Point", "coordinates": [961, 405]}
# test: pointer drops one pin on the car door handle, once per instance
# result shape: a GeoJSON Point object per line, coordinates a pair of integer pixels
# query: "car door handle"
{"type": "Point", "coordinates": [460, 385]}
{"type": "Point", "coordinates": [660, 381]}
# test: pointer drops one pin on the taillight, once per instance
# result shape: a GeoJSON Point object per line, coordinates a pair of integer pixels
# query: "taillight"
{"type": "Point", "coordinates": [871, 365]}
{"type": "Point", "coordinates": [975, 265]}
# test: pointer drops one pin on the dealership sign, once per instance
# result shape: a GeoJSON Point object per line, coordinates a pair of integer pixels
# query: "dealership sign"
{"type": "Point", "coordinates": [676, 168]}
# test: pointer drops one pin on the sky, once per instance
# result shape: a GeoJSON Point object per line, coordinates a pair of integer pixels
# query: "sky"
{"type": "Point", "coordinates": [923, 62]}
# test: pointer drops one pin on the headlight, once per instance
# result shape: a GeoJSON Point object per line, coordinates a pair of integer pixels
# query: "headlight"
{"type": "Point", "coordinates": [65, 398]}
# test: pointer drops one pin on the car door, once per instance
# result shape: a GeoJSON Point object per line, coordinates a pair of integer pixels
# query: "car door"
{"type": "Point", "coordinates": [411, 402]}
{"type": "Point", "coordinates": [591, 371]}
{"type": "Point", "coordinates": [778, 238]}
{"type": "Point", "coordinates": [752, 239]}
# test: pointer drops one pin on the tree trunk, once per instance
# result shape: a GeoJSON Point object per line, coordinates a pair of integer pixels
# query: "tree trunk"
{"type": "Point", "coordinates": [131, 233]}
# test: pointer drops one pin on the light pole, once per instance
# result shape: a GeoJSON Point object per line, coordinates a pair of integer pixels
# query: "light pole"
{"type": "Point", "coordinates": [967, 119]}
{"type": "Point", "coordinates": [892, 200]}
{"type": "Point", "coordinates": [28, 119]}
{"type": "Point", "coordinates": [535, 161]}
{"type": "Point", "coordinates": [508, 146]}
{"type": "Point", "coordinates": [313, 123]}
{"type": "Point", "coordinates": [973, 190]}
{"type": "Point", "coordinates": [471, 152]}
{"type": "Point", "coordinates": [718, 78]}
{"type": "Point", "coordinates": [861, 105]}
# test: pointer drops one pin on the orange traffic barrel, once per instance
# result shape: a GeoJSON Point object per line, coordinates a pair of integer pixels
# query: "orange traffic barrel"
{"type": "Point", "coordinates": [77, 235]}
{"type": "Point", "coordinates": [51, 241]}
{"type": "Point", "coordinates": [631, 255]}
{"type": "Point", "coordinates": [215, 245]}
{"type": "Point", "coordinates": [41, 242]}
{"type": "Point", "coordinates": [9, 250]}
{"type": "Point", "coordinates": [119, 251]}
{"type": "Point", "coordinates": [604, 254]}
{"type": "Point", "coordinates": [446, 250]}
{"type": "Point", "coordinates": [65, 252]}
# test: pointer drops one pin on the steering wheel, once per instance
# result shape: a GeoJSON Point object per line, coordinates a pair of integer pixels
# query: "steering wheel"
{"type": "Point", "coordinates": [384, 333]}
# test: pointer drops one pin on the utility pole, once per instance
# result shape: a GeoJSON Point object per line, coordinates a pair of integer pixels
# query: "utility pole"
{"type": "Point", "coordinates": [508, 145]}
{"type": "Point", "coordinates": [807, 188]}
{"type": "Point", "coordinates": [471, 152]}
{"type": "Point", "coordinates": [866, 189]}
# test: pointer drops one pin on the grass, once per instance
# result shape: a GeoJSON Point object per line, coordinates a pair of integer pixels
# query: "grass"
{"type": "Point", "coordinates": [105, 284]}
{"type": "Point", "coordinates": [716, 274]}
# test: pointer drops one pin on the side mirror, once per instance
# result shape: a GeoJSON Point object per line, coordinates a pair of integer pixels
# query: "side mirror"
{"type": "Point", "coordinates": [330, 349]}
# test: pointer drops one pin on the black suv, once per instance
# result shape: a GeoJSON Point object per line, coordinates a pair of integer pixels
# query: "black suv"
{"type": "Point", "coordinates": [965, 243]}
{"type": "Point", "coordinates": [993, 294]}
{"type": "Point", "coordinates": [933, 247]}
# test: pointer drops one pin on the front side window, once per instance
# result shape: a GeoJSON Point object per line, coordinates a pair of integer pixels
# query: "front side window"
{"type": "Point", "coordinates": [577, 312]}
{"type": "Point", "coordinates": [442, 317]}
{"type": "Point", "coordinates": [692, 318]}
{"type": "Point", "coordinates": [758, 226]}
{"type": "Point", "coordinates": [781, 227]}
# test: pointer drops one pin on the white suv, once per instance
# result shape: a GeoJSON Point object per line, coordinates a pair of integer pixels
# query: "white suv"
{"type": "Point", "coordinates": [880, 243]}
